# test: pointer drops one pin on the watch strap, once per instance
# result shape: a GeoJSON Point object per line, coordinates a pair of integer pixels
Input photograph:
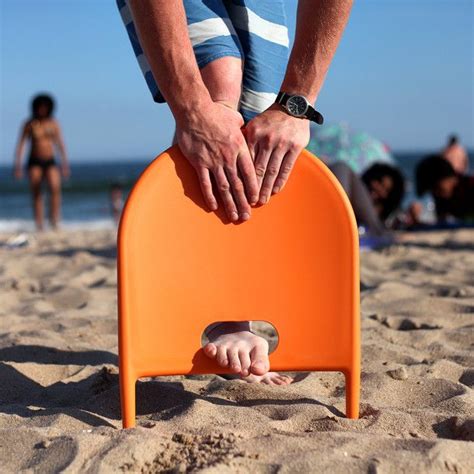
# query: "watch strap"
{"type": "Point", "coordinates": [314, 115]}
{"type": "Point", "coordinates": [311, 114]}
{"type": "Point", "coordinates": [282, 97]}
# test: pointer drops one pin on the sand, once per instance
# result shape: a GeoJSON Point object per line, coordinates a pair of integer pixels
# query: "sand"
{"type": "Point", "coordinates": [59, 401]}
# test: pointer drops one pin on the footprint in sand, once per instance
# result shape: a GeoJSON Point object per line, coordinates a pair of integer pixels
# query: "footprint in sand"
{"type": "Point", "coordinates": [68, 297]}
{"type": "Point", "coordinates": [402, 323]}
{"type": "Point", "coordinates": [450, 292]}
{"type": "Point", "coordinates": [467, 378]}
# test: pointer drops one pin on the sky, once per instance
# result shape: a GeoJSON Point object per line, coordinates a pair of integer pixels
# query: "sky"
{"type": "Point", "coordinates": [403, 72]}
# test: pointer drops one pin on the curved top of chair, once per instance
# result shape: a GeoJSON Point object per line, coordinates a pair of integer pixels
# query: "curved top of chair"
{"type": "Point", "coordinates": [181, 267]}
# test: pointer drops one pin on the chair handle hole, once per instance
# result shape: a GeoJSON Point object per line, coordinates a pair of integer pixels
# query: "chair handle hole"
{"type": "Point", "coordinates": [261, 328]}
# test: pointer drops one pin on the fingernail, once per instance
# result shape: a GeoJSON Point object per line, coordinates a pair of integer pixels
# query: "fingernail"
{"type": "Point", "coordinates": [264, 199]}
{"type": "Point", "coordinates": [276, 189]}
{"type": "Point", "coordinates": [213, 206]}
{"type": "Point", "coordinates": [245, 216]}
{"type": "Point", "coordinates": [254, 199]}
{"type": "Point", "coordinates": [234, 216]}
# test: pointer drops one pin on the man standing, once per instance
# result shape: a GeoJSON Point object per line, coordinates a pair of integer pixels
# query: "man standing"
{"type": "Point", "coordinates": [220, 64]}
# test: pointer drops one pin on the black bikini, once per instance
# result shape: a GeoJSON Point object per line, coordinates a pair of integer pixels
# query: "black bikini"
{"type": "Point", "coordinates": [43, 163]}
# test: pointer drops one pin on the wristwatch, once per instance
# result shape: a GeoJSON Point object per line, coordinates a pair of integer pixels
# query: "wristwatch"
{"type": "Point", "coordinates": [299, 106]}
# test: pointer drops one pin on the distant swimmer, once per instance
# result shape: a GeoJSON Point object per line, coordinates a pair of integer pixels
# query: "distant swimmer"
{"type": "Point", "coordinates": [44, 134]}
{"type": "Point", "coordinates": [455, 153]}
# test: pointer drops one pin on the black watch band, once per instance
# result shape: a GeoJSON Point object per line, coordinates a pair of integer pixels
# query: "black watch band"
{"type": "Point", "coordinates": [311, 113]}
{"type": "Point", "coordinates": [314, 115]}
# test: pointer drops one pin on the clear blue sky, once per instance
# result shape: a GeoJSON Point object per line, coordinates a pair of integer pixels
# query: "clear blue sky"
{"type": "Point", "coordinates": [403, 72]}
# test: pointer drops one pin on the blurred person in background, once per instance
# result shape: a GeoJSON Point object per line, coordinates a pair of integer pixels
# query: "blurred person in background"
{"type": "Point", "coordinates": [453, 192]}
{"type": "Point", "coordinates": [455, 153]}
{"type": "Point", "coordinates": [116, 201]}
{"type": "Point", "coordinates": [43, 133]}
{"type": "Point", "coordinates": [374, 196]}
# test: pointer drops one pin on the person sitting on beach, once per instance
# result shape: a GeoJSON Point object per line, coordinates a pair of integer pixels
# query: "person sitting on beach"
{"type": "Point", "coordinates": [44, 134]}
{"type": "Point", "coordinates": [453, 192]}
{"type": "Point", "coordinates": [455, 153]}
{"type": "Point", "coordinates": [220, 64]}
{"type": "Point", "coordinates": [374, 196]}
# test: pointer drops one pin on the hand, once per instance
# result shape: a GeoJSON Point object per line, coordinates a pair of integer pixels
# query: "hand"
{"type": "Point", "coordinates": [212, 140]}
{"type": "Point", "coordinates": [65, 171]}
{"type": "Point", "coordinates": [18, 172]}
{"type": "Point", "coordinates": [275, 139]}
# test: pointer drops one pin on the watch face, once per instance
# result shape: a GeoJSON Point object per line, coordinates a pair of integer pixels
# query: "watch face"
{"type": "Point", "coordinates": [297, 105]}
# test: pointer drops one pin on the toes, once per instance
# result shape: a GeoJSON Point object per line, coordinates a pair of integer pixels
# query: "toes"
{"type": "Point", "coordinates": [244, 357]}
{"type": "Point", "coordinates": [259, 359]}
{"type": "Point", "coordinates": [272, 378]}
{"type": "Point", "coordinates": [281, 380]}
{"type": "Point", "coordinates": [234, 361]}
{"type": "Point", "coordinates": [221, 356]}
{"type": "Point", "coordinates": [210, 350]}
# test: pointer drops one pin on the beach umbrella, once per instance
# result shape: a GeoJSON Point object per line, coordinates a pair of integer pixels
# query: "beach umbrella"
{"type": "Point", "coordinates": [338, 142]}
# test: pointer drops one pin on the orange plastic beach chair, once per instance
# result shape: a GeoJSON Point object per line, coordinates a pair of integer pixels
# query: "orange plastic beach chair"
{"type": "Point", "coordinates": [295, 264]}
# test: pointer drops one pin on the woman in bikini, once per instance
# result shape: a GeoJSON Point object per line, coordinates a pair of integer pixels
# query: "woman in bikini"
{"type": "Point", "coordinates": [44, 134]}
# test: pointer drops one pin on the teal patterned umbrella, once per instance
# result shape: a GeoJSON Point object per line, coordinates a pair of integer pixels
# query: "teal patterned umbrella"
{"type": "Point", "coordinates": [338, 142]}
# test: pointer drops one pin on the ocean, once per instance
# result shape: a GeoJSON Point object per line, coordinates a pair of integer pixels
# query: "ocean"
{"type": "Point", "coordinates": [86, 198]}
{"type": "Point", "coordinates": [85, 195]}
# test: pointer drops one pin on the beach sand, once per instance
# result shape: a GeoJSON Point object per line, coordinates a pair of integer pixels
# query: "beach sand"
{"type": "Point", "coordinates": [59, 400]}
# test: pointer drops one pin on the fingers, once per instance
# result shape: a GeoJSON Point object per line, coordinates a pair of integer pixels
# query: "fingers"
{"type": "Point", "coordinates": [238, 193]}
{"type": "Point", "coordinates": [247, 171]}
{"type": "Point", "coordinates": [285, 170]}
{"type": "Point", "coordinates": [271, 173]}
{"type": "Point", "coordinates": [206, 188]}
{"type": "Point", "coordinates": [261, 162]}
{"type": "Point", "coordinates": [232, 192]}
{"type": "Point", "coordinates": [223, 187]}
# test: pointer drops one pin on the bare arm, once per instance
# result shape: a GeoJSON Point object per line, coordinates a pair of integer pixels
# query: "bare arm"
{"type": "Point", "coordinates": [465, 161]}
{"type": "Point", "coordinates": [275, 137]}
{"type": "Point", "coordinates": [20, 148]}
{"type": "Point", "coordinates": [319, 27]}
{"type": "Point", "coordinates": [163, 32]}
{"type": "Point", "coordinates": [59, 142]}
{"type": "Point", "coordinates": [208, 133]}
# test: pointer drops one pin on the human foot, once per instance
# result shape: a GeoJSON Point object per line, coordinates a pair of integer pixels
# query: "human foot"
{"type": "Point", "coordinates": [270, 378]}
{"type": "Point", "coordinates": [234, 346]}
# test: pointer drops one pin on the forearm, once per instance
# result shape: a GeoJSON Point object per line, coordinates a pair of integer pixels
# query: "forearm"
{"type": "Point", "coordinates": [320, 24]}
{"type": "Point", "coordinates": [19, 153]}
{"type": "Point", "coordinates": [163, 32]}
{"type": "Point", "coordinates": [62, 154]}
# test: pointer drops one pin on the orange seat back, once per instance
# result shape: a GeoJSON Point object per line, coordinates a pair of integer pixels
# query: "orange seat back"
{"type": "Point", "coordinates": [181, 268]}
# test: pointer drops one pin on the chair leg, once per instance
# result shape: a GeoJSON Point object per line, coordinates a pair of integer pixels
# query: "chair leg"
{"type": "Point", "coordinates": [352, 393]}
{"type": "Point", "coordinates": [127, 399]}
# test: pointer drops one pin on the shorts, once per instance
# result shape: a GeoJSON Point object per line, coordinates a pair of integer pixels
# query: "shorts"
{"type": "Point", "coordinates": [43, 163]}
{"type": "Point", "coordinates": [252, 30]}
